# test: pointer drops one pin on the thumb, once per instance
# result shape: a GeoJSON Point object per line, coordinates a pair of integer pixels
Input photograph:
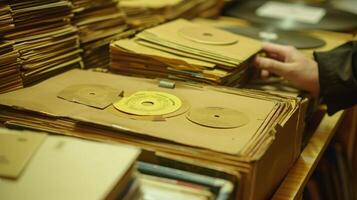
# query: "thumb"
{"type": "Point", "coordinates": [271, 65]}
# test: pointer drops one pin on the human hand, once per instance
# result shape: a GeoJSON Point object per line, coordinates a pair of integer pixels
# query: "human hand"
{"type": "Point", "coordinates": [288, 62]}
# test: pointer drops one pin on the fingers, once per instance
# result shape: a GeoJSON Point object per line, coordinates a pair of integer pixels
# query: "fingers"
{"type": "Point", "coordinates": [277, 51]}
{"type": "Point", "coordinates": [264, 74]}
{"type": "Point", "coordinates": [271, 65]}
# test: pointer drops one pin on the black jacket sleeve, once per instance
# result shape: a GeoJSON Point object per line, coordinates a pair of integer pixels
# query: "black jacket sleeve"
{"type": "Point", "coordinates": [338, 76]}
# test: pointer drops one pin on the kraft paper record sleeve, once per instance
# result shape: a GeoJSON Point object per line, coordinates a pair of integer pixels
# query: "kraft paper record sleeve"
{"type": "Point", "coordinates": [187, 51]}
{"type": "Point", "coordinates": [98, 22]}
{"type": "Point", "coordinates": [41, 166]}
{"type": "Point", "coordinates": [10, 77]}
{"type": "Point", "coordinates": [228, 141]}
{"type": "Point", "coordinates": [37, 40]}
{"type": "Point", "coordinates": [142, 14]}
{"type": "Point", "coordinates": [234, 129]}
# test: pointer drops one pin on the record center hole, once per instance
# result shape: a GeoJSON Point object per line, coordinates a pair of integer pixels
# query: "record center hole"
{"type": "Point", "coordinates": [92, 93]}
{"type": "Point", "coordinates": [208, 34]}
{"type": "Point", "coordinates": [147, 103]}
{"type": "Point", "coordinates": [216, 116]}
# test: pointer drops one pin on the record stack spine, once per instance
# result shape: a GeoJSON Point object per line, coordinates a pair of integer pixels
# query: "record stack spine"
{"type": "Point", "coordinates": [143, 14]}
{"type": "Point", "coordinates": [99, 22]}
{"type": "Point", "coordinates": [37, 40]}
{"type": "Point", "coordinates": [10, 78]}
{"type": "Point", "coordinates": [181, 50]}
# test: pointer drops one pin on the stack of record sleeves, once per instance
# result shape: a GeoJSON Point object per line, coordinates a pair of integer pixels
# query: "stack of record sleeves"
{"type": "Point", "coordinates": [143, 14]}
{"type": "Point", "coordinates": [6, 20]}
{"type": "Point", "coordinates": [37, 40]}
{"type": "Point", "coordinates": [237, 131]}
{"type": "Point", "coordinates": [99, 22]}
{"type": "Point", "coordinates": [186, 51]}
{"type": "Point", "coordinates": [10, 78]}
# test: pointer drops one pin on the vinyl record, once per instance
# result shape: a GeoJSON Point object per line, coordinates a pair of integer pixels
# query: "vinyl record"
{"type": "Point", "coordinates": [95, 95]}
{"type": "Point", "coordinates": [333, 19]}
{"type": "Point", "coordinates": [149, 103]}
{"type": "Point", "coordinates": [297, 39]}
{"type": "Point", "coordinates": [208, 36]}
{"type": "Point", "coordinates": [217, 117]}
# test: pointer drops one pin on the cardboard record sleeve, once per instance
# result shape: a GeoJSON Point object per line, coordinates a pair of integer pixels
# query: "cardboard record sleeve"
{"type": "Point", "coordinates": [59, 167]}
{"type": "Point", "coordinates": [246, 151]}
{"type": "Point", "coordinates": [186, 51]}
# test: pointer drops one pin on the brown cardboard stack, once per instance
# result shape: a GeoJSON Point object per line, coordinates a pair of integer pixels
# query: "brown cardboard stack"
{"type": "Point", "coordinates": [141, 14]}
{"type": "Point", "coordinates": [10, 77]}
{"type": "Point", "coordinates": [40, 35]}
{"type": "Point", "coordinates": [186, 51]}
{"type": "Point", "coordinates": [80, 103]}
{"type": "Point", "coordinates": [6, 20]}
{"type": "Point", "coordinates": [98, 22]}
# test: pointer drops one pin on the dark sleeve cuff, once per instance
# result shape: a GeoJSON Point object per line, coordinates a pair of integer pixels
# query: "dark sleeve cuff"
{"type": "Point", "coordinates": [338, 76]}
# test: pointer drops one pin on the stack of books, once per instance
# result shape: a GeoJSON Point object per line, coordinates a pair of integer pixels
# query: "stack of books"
{"type": "Point", "coordinates": [186, 51]}
{"type": "Point", "coordinates": [98, 22]}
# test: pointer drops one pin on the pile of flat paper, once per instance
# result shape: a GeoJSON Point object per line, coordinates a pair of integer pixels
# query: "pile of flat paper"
{"type": "Point", "coordinates": [10, 77]}
{"type": "Point", "coordinates": [98, 22]}
{"type": "Point", "coordinates": [142, 13]}
{"type": "Point", "coordinates": [6, 20]}
{"type": "Point", "coordinates": [240, 131]}
{"type": "Point", "coordinates": [40, 166]}
{"type": "Point", "coordinates": [42, 37]}
{"type": "Point", "coordinates": [187, 51]}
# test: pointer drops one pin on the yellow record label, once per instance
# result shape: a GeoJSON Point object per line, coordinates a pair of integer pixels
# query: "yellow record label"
{"type": "Point", "coordinates": [149, 103]}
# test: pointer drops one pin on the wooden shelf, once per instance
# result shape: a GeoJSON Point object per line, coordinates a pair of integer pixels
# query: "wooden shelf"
{"type": "Point", "coordinates": [298, 176]}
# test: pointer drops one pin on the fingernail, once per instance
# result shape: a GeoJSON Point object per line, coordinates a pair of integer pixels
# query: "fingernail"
{"type": "Point", "coordinates": [256, 60]}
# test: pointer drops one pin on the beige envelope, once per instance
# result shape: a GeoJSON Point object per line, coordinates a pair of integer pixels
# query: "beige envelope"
{"type": "Point", "coordinates": [16, 151]}
{"type": "Point", "coordinates": [65, 167]}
